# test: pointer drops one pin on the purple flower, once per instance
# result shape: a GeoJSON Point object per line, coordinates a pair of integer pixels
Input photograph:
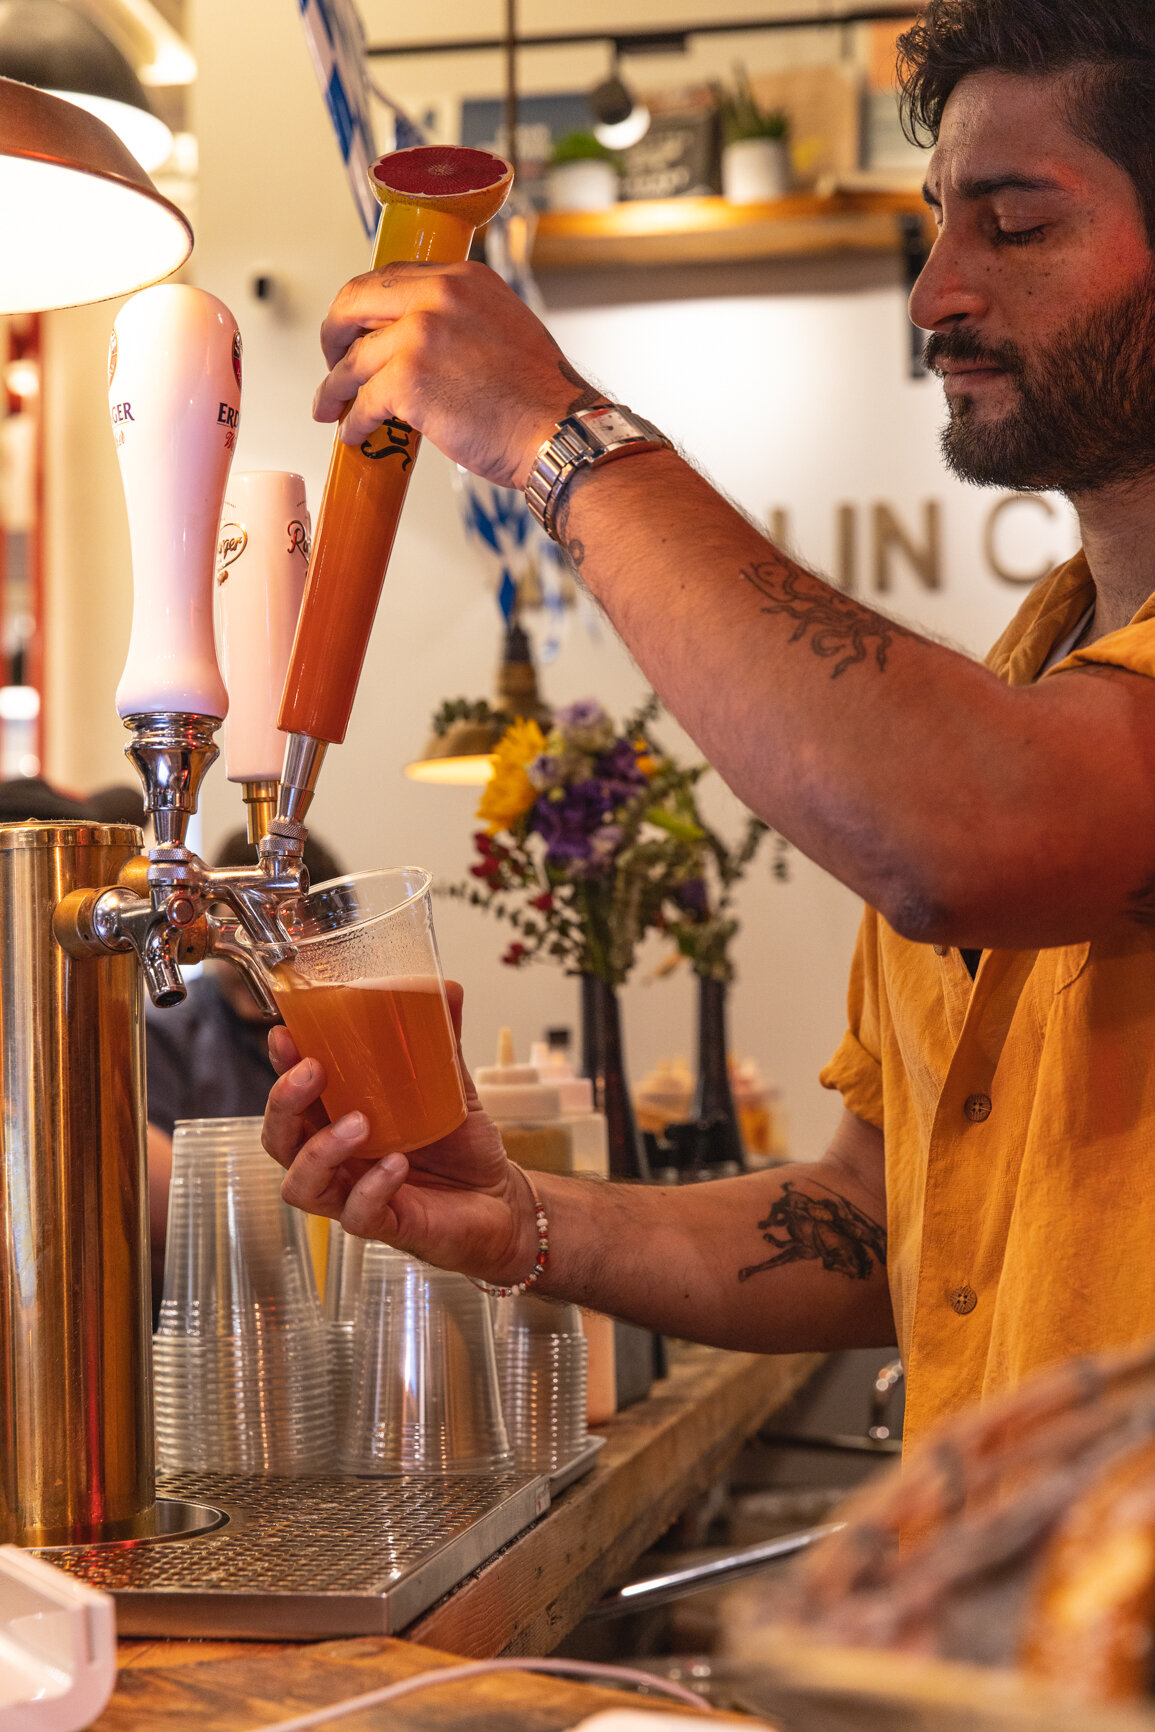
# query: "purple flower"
{"type": "Point", "coordinates": [568, 825]}
{"type": "Point", "coordinates": [604, 843]}
{"type": "Point", "coordinates": [586, 713]}
{"type": "Point", "coordinates": [692, 895]}
{"type": "Point", "coordinates": [620, 765]}
{"type": "Point", "coordinates": [545, 771]}
{"type": "Point", "coordinates": [585, 726]}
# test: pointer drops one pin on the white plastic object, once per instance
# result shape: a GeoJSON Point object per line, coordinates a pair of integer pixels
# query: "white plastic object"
{"type": "Point", "coordinates": [262, 561]}
{"type": "Point", "coordinates": [174, 393]}
{"type": "Point", "coordinates": [512, 1092]}
{"type": "Point", "coordinates": [509, 1091]}
{"type": "Point", "coordinates": [57, 1647]}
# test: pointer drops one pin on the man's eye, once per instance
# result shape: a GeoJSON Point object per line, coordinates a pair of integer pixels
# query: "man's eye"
{"type": "Point", "coordinates": [1018, 237]}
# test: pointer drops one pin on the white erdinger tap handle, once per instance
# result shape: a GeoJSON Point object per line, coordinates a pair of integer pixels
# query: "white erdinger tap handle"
{"type": "Point", "coordinates": [262, 562]}
{"type": "Point", "coordinates": [174, 371]}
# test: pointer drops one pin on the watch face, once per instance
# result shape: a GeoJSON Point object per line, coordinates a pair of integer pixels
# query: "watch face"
{"type": "Point", "coordinates": [612, 424]}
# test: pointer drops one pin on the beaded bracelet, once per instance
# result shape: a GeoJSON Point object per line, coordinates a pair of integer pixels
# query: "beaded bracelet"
{"type": "Point", "coordinates": [542, 1222]}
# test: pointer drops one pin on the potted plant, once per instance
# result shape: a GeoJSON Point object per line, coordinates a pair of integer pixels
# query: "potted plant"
{"type": "Point", "coordinates": [755, 145]}
{"type": "Point", "coordinates": [582, 174]}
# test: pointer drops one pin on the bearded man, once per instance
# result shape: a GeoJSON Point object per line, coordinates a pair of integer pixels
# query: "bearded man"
{"type": "Point", "coordinates": [999, 820]}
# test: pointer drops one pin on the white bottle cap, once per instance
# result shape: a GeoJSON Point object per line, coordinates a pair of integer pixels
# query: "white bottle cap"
{"type": "Point", "coordinates": [515, 1091]}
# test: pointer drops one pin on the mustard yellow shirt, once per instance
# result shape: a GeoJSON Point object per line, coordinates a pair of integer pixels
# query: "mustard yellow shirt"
{"type": "Point", "coordinates": [1018, 1113]}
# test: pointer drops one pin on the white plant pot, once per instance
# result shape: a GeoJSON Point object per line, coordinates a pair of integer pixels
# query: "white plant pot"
{"type": "Point", "coordinates": [754, 169]}
{"type": "Point", "coordinates": [587, 185]}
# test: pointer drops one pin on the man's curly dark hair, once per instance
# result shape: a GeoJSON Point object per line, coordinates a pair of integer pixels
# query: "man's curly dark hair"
{"type": "Point", "coordinates": [1104, 50]}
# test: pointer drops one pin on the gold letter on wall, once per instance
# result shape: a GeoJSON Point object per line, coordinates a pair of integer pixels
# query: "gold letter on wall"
{"type": "Point", "coordinates": [990, 538]}
{"type": "Point", "coordinates": [890, 537]}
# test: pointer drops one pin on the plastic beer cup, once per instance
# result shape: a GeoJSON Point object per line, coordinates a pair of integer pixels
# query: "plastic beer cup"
{"type": "Point", "coordinates": [365, 995]}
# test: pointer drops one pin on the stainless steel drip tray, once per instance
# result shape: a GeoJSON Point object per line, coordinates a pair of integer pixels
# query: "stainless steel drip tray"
{"type": "Point", "coordinates": [309, 1558]}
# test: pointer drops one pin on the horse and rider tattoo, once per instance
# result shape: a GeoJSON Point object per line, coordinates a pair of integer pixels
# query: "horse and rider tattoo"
{"type": "Point", "coordinates": [827, 1230]}
{"type": "Point", "coordinates": [835, 625]}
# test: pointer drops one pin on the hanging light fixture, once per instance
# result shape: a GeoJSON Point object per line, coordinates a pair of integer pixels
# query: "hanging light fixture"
{"type": "Point", "coordinates": [79, 218]}
{"type": "Point", "coordinates": [459, 752]}
{"type": "Point", "coordinates": [620, 120]}
{"type": "Point", "coordinates": [57, 48]}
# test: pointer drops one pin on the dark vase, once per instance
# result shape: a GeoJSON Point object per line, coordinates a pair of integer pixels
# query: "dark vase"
{"type": "Point", "coordinates": [603, 1062]}
{"type": "Point", "coordinates": [719, 1134]}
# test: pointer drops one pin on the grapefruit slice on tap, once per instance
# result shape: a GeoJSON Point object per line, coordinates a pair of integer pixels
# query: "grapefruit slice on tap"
{"type": "Point", "coordinates": [471, 184]}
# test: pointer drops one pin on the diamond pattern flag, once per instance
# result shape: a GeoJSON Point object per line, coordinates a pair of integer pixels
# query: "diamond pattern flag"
{"type": "Point", "coordinates": [336, 40]}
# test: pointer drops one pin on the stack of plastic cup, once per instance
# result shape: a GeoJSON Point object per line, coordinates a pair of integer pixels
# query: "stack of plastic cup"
{"type": "Point", "coordinates": [423, 1392]}
{"type": "Point", "coordinates": [541, 1364]}
{"type": "Point", "coordinates": [343, 1264]}
{"type": "Point", "coordinates": [240, 1359]}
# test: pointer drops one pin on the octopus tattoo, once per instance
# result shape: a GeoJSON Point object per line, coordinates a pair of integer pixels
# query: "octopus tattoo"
{"type": "Point", "coordinates": [836, 627]}
{"type": "Point", "coordinates": [827, 1230]}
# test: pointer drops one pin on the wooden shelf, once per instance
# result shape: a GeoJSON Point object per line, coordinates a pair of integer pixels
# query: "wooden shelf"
{"type": "Point", "coordinates": [691, 231]}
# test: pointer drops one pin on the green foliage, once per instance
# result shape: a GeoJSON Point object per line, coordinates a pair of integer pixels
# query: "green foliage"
{"type": "Point", "coordinates": [455, 710]}
{"type": "Point", "coordinates": [582, 147]}
{"type": "Point", "coordinates": [744, 117]}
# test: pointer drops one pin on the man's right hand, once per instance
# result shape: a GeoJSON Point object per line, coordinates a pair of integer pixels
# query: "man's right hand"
{"type": "Point", "coordinates": [457, 1203]}
{"type": "Point", "coordinates": [453, 352]}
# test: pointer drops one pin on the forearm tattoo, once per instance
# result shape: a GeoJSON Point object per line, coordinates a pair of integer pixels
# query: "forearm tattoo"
{"type": "Point", "coordinates": [835, 625]}
{"type": "Point", "coordinates": [827, 1230]}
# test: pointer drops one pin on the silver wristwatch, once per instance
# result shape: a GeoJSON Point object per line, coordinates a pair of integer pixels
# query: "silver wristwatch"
{"type": "Point", "coordinates": [580, 441]}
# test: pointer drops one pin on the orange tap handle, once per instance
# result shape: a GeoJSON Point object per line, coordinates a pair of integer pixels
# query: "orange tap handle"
{"type": "Point", "coordinates": [433, 197]}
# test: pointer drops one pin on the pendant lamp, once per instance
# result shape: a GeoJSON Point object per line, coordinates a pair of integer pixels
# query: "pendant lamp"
{"type": "Point", "coordinates": [58, 48]}
{"type": "Point", "coordinates": [79, 218]}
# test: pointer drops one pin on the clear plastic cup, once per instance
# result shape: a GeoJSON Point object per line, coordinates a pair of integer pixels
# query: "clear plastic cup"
{"type": "Point", "coordinates": [541, 1368]}
{"type": "Point", "coordinates": [240, 1358]}
{"type": "Point", "coordinates": [424, 1395]}
{"type": "Point", "coordinates": [364, 993]}
{"type": "Point", "coordinates": [343, 1264]}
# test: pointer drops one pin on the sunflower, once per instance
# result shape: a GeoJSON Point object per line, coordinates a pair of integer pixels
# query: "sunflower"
{"type": "Point", "coordinates": [509, 791]}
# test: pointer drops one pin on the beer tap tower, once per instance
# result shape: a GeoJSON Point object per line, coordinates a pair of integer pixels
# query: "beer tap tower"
{"type": "Point", "coordinates": [87, 918]}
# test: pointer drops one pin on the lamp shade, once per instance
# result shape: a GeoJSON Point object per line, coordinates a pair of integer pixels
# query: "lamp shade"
{"type": "Point", "coordinates": [58, 48]}
{"type": "Point", "coordinates": [79, 218]}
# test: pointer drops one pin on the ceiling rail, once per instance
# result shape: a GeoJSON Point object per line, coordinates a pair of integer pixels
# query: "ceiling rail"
{"type": "Point", "coordinates": [650, 41]}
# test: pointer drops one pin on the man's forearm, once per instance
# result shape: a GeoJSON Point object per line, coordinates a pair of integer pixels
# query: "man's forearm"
{"type": "Point", "coordinates": [907, 770]}
{"type": "Point", "coordinates": [788, 1260]}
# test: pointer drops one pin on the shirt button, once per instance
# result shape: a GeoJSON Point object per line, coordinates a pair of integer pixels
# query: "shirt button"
{"type": "Point", "coordinates": [963, 1300]}
{"type": "Point", "coordinates": [939, 949]}
{"type": "Point", "coordinates": [977, 1108]}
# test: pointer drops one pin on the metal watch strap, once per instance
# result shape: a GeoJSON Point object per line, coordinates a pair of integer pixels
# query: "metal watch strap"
{"type": "Point", "coordinates": [581, 441]}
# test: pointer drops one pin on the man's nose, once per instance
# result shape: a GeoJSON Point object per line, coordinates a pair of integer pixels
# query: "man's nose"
{"type": "Point", "coordinates": [947, 290]}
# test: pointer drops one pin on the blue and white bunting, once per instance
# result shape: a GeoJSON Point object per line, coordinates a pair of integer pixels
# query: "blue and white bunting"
{"type": "Point", "coordinates": [336, 40]}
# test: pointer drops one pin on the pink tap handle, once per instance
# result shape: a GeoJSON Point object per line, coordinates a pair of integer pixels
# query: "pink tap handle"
{"type": "Point", "coordinates": [262, 561]}
{"type": "Point", "coordinates": [174, 370]}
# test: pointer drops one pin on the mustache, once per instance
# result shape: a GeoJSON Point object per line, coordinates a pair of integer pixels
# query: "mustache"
{"type": "Point", "coordinates": [964, 346]}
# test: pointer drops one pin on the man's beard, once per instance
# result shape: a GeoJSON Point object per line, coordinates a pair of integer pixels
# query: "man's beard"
{"type": "Point", "coordinates": [1085, 415]}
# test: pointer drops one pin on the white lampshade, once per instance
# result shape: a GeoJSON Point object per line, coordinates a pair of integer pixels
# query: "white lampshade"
{"type": "Point", "coordinates": [79, 218]}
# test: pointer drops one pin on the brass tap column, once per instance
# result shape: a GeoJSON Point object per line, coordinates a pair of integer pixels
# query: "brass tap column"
{"type": "Point", "coordinates": [74, 1287]}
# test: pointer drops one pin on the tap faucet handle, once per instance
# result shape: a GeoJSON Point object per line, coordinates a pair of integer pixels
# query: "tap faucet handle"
{"type": "Point", "coordinates": [227, 939]}
{"type": "Point", "coordinates": [174, 395]}
{"type": "Point", "coordinates": [262, 559]}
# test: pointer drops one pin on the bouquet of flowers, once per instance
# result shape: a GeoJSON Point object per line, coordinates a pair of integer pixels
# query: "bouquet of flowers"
{"type": "Point", "coordinates": [590, 835]}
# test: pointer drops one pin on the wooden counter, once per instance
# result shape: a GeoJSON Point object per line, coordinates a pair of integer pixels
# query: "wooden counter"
{"type": "Point", "coordinates": [659, 1455]}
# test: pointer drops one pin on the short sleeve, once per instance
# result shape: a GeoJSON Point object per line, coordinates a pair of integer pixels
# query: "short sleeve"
{"type": "Point", "coordinates": [855, 1070]}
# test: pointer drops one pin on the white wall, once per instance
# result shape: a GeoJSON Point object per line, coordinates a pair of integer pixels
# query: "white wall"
{"type": "Point", "coordinates": [788, 383]}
